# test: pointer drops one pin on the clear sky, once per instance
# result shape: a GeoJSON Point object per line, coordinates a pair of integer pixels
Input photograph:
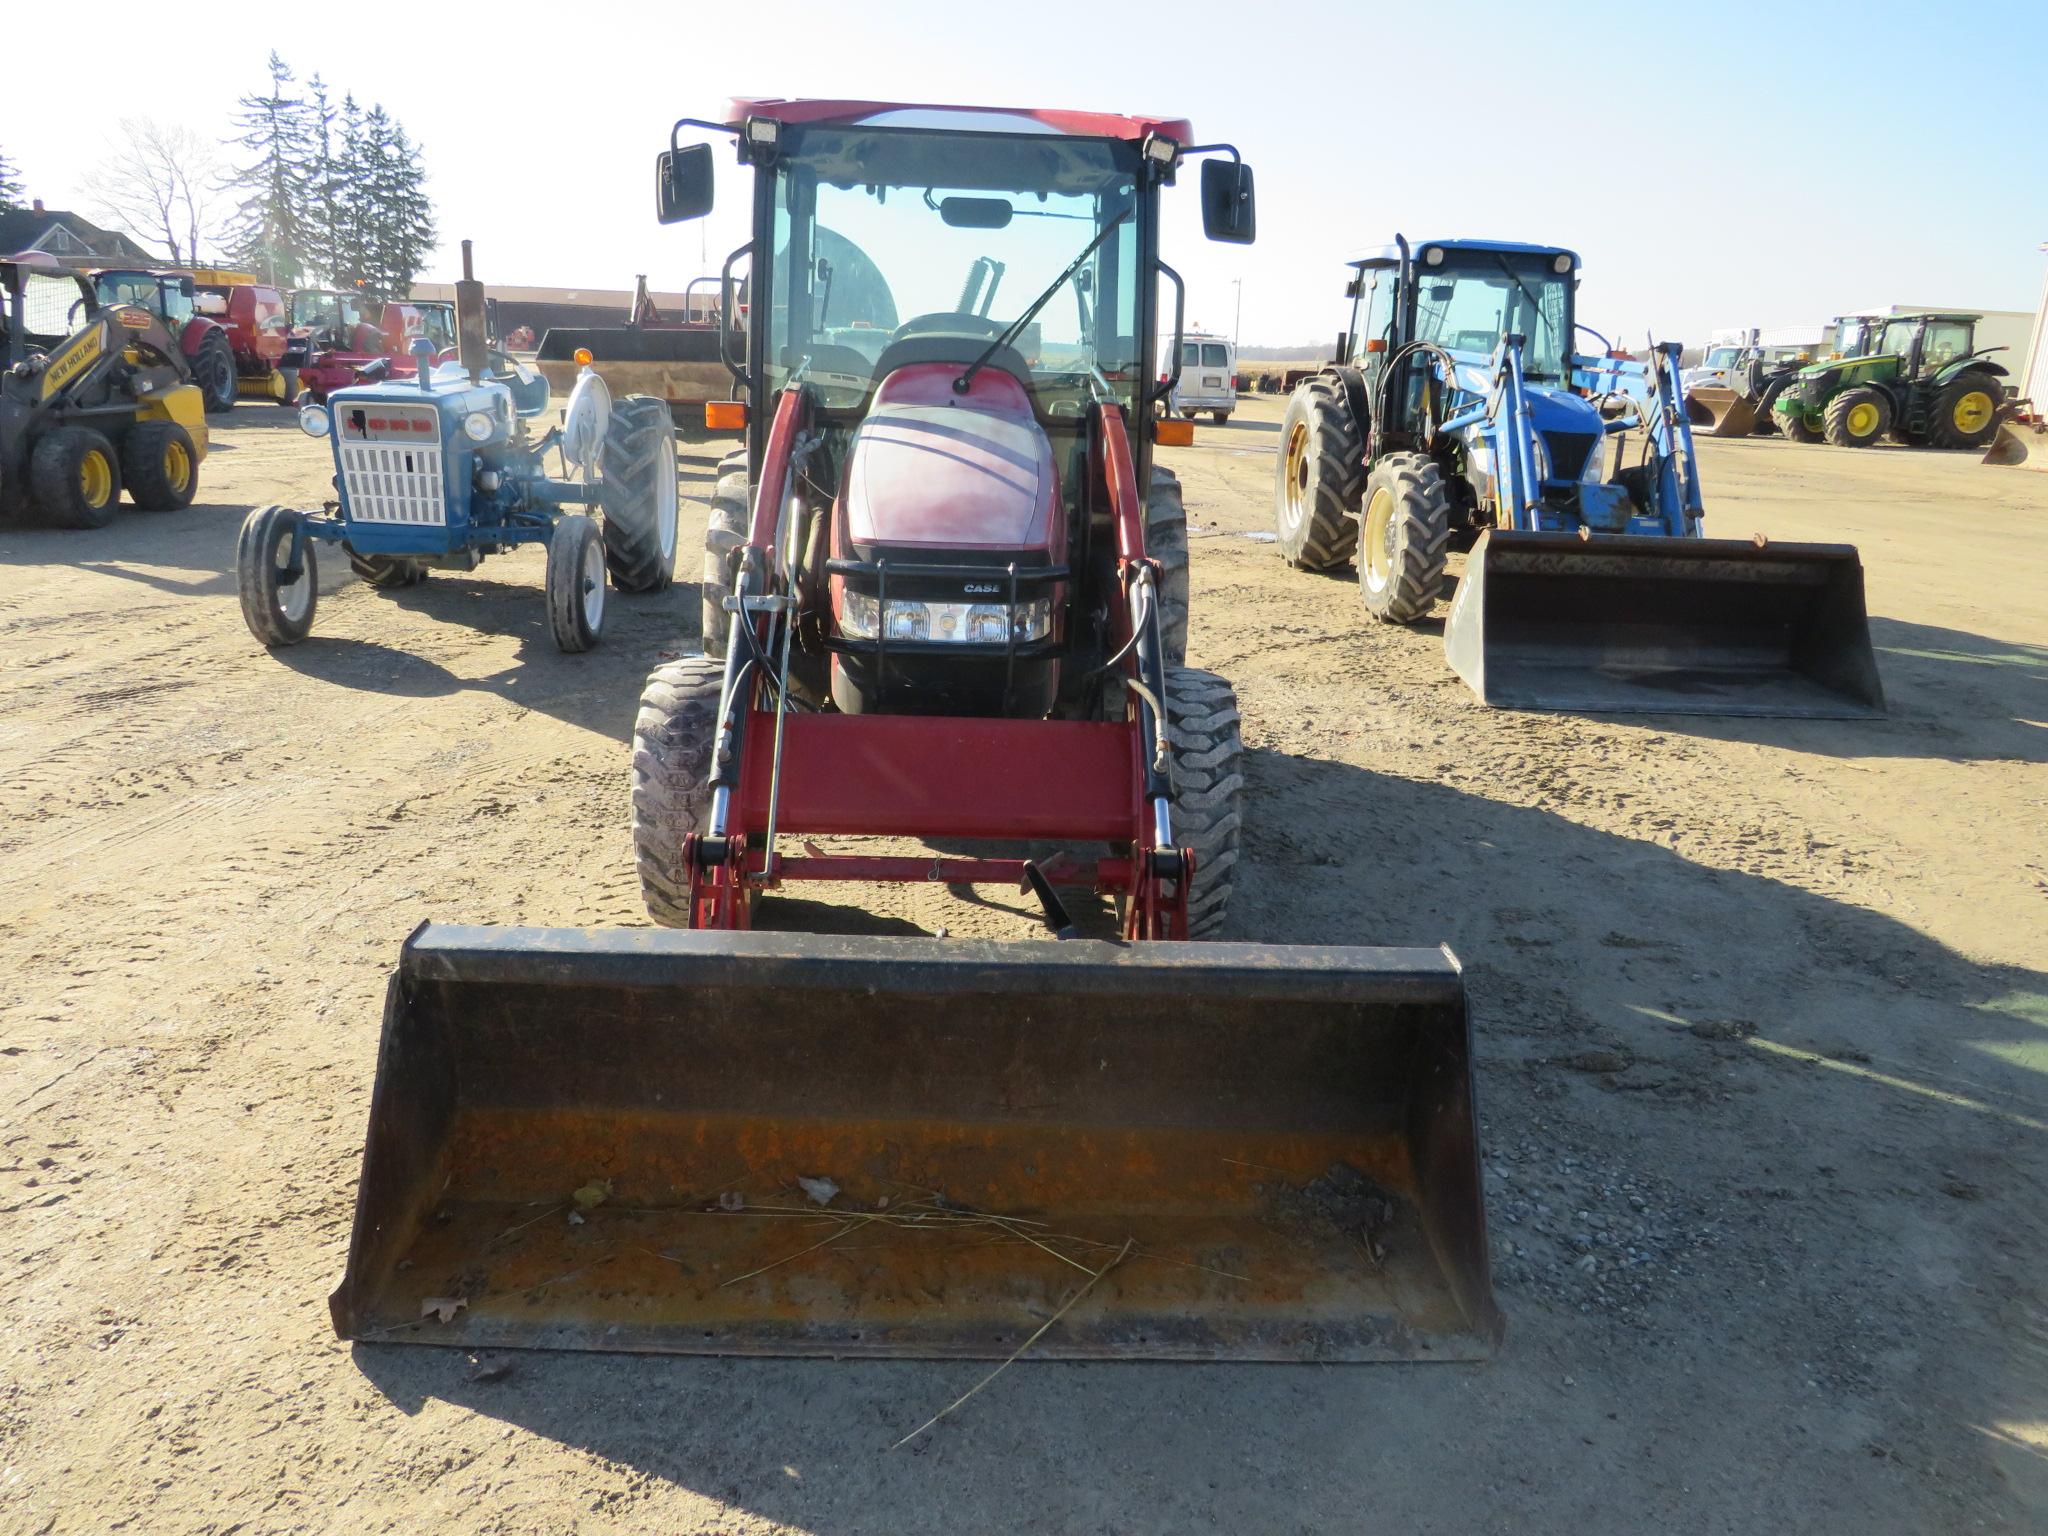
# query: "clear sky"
{"type": "Point", "coordinates": [1713, 164]}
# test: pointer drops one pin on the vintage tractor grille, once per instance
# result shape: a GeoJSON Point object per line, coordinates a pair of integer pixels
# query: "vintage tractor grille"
{"type": "Point", "coordinates": [391, 469]}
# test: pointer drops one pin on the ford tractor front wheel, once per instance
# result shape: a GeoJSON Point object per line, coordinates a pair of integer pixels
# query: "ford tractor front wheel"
{"type": "Point", "coordinates": [278, 597]}
{"type": "Point", "coordinates": [575, 583]}
{"type": "Point", "coordinates": [637, 487]}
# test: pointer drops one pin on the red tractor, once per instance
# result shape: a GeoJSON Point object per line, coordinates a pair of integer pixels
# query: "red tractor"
{"type": "Point", "coordinates": [336, 344]}
{"type": "Point", "coordinates": [208, 353]}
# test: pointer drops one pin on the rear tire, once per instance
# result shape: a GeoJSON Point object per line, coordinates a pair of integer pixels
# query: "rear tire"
{"type": "Point", "coordinates": [1857, 418]}
{"type": "Point", "coordinates": [637, 489]}
{"type": "Point", "coordinates": [1208, 786]}
{"type": "Point", "coordinates": [672, 740]}
{"type": "Point", "coordinates": [1317, 478]}
{"type": "Point", "coordinates": [1966, 411]}
{"type": "Point", "coordinates": [387, 573]}
{"type": "Point", "coordinates": [575, 583]}
{"type": "Point", "coordinates": [724, 534]}
{"type": "Point", "coordinates": [74, 478]}
{"type": "Point", "coordinates": [1406, 532]}
{"type": "Point", "coordinates": [276, 614]}
{"type": "Point", "coordinates": [1222, 418]}
{"type": "Point", "coordinates": [213, 370]}
{"type": "Point", "coordinates": [1166, 540]}
{"type": "Point", "coordinates": [159, 466]}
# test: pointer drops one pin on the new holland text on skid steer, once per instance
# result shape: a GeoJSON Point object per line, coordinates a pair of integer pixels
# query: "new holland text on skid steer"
{"type": "Point", "coordinates": [1458, 409]}
{"type": "Point", "coordinates": [946, 599]}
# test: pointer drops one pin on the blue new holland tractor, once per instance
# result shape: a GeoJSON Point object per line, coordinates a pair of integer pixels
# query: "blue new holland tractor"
{"type": "Point", "coordinates": [438, 471]}
{"type": "Point", "coordinates": [1458, 414]}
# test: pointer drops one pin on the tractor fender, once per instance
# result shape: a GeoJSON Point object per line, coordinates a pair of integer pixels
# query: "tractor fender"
{"type": "Point", "coordinates": [1948, 373]}
{"type": "Point", "coordinates": [1358, 397]}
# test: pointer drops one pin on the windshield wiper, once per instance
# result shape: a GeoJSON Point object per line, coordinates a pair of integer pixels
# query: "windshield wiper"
{"type": "Point", "coordinates": [1015, 328]}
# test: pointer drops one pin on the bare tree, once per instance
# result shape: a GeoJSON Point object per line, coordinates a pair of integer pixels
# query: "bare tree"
{"type": "Point", "coordinates": [160, 178]}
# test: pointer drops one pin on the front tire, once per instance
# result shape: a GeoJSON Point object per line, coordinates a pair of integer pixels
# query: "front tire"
{"type": "Point", "coordinates": [672, 740]}
{"type": "Point", "coordinates": [278, 612]}
{"type": "Point", "coordinates": [1965, 413]}
{"type": "Point", "coordinates": [74, 478]}
{"type": "Point", "coordinates": [1166, 540]}
{"type": "Point", "coordinates": [1208, 790]}
{"type": "Point", "coordinates": [1406, 532]}
{"type": "Point", "coordinates": [576, 562]}
{"type": "Point", "coordinates": [1317, 478]}
{"type": "Point", "coordinates": [160, 466]}
{"type": "Point", "coordinates": [1792, 425]}
{"type": "Point", "coordinates": [213, 370]}
{"type": "Point", "coordinates": [725, 532]}
{"type": "Point", "coordinates": [637, 490]}
{"type": "Point", "coordinates": [1857, 418]}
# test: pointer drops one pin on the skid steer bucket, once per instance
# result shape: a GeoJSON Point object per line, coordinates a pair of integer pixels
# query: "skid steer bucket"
{"type": "Point", "coordinates": [622, 1139]}
{"type": "Point", "coordinates": [1723, 412]}
{"type": "Point", "coordinates": [1678, 626]}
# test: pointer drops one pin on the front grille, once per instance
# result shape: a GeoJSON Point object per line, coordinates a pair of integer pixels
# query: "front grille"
{"type": "Point", "coordinates": [394, 483]}
{"type": "Point", "coordinates": [1568, 452]}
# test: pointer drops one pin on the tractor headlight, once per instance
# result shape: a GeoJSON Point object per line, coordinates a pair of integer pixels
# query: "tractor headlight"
{"type": "Point", "coordinates": [1540, 450]}
{"type": "Point", "coordinates": [857, 614]}
{"type": "Point", "coordinates": [477, 426]}
{"type": "Point", "coordinates": [907, 621]}
{"type": "Point", "coordinates": [1594, 470]}
{"type": "Point", "coordinates": [947, 623]}
{"type": "Point", "coordinates": [314, 420]}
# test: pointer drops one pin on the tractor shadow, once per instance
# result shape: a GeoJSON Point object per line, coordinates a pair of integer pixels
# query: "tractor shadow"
{"type": "Point", "coordinates": [1573, 940]}
{"type": "Point", "coordinates": [192, 551]}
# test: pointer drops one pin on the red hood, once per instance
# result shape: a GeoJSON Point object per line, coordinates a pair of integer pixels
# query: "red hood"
{"type": "Point", "coordinates": [956, 472]}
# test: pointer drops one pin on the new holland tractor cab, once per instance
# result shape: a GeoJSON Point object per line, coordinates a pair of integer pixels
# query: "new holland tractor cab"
{"type": "Point", "coordinates": [1917, 378]}
{"type": "Point", "coordinates": [93, 401]}
{"type": "Point", "coordinates": [203, 343]}
{"type": "Point", "coordinates": [948, 618]}
{"type": "Point", "coordinates": [438, 470]}
{"type": "Point", "coordinates": [1458, 410]}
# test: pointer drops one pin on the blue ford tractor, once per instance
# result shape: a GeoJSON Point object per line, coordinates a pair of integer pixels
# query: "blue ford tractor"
{"type": "Point", "coordinates": [438, 471]}
{"type": "Point", "coordinates": [1458, 414]}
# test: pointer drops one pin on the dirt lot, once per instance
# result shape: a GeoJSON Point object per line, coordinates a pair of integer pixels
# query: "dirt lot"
{"type": "Point", "coordinates": [1761, 1010]}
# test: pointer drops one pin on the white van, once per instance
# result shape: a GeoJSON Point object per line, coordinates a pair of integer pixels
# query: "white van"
{"type": "Point", "coordinates": [1208, 371]}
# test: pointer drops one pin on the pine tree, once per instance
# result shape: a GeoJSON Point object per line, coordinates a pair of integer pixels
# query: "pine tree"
{"type": "Point", "coordinates": [346, 262]}
{"type": "Point", "coordinates": [10, 184]}
{"type": "Point", "coordinates": [320, 220]}
{"type": "Point", "coordinates": [268, 233]}
{"type": "Point", "coordinates": [392, 223]}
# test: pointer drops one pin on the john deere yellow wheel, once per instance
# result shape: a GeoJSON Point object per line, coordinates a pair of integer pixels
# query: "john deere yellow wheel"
{"type": "Point", "coordinates": [1856, 418]}
{"type": "Point", "coordinates": [1965, 413]}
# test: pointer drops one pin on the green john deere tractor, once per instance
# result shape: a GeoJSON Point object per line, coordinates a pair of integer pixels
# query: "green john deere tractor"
{"type": "Point", "coordinates": [1917, 378]}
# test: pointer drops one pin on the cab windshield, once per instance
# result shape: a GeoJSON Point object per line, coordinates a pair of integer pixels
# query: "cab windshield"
{"type": "Point", "coordinates": [1852, 338]}
{"type": "Point", "coordinates": [1898, 338]}
{"type": "Point", "coordinates": [1722, 357]}
{"type": "Point", "coordinates": [136, 288]}
{"type": "Point", "coordinates": [885, 233]}
{"type": "Point", "coordinates": [1476, 297]}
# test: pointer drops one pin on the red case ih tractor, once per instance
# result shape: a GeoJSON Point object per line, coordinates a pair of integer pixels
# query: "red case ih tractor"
{"type": "Point", "coordinates": [258, 328]}
{"type": "Point", "coordinates": [208, 354]}
{"type": "Point", "coordinates": [335, 344]}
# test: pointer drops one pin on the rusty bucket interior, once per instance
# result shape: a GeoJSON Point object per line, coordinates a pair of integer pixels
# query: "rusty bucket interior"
{"type": "Point", "coordinates": [1722, 411]}
{"type": "Point", "coordinates": [759, 1143]}
{"type": "Point", "coordinates": [1629, 623]}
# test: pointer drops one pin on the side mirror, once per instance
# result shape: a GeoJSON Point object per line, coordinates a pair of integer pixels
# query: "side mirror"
{"type": "Point", "coordinates": [1229, 211]}
{"type": "Point", "coordinates": [682, 183]}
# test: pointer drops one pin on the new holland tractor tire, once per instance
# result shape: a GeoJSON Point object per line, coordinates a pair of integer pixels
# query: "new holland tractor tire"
{"type": "Point", "coordinates": [1405, 533]}
{"type": "Point", "coordinates": [159, 466]}
{"type": "Point", "coordinates": [725, 531]}
{"type": "Point", "coordinates": [1318, 477]}
{"type": "Point", "coordinates": [1965, 412]}
{"type": "Point", "coordinates": [575, 583]}
{"type": "Point", "coordinates": [637, 490]}
{"type": "Point", "coordinates": [74, 478]}
{"type": "Point", "coordinates": [1857, 418]}
{"type": "Point", "coordinates": [213, 370]}
{"type": "Point", "coordinates": [1166, 540]}
{"type": "Point", "coordinates": [672, 740]}
{"type": "Point", "coordinates": [277, 612]}
{"type": "Point", "coordinates": [1208, 789]}
{"type": "Point", "coordinates": [387, 573]}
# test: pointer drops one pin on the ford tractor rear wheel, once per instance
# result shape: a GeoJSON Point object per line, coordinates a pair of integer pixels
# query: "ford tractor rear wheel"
{"type": "Point", "coordinates": [1857, 418]}
{"type": "Point", "coordinates": [160, 466]}
{"type": "Point", "coordinates": [724, 533]}
{"type": "Point", "coordinates": [1208, 790]}
{"type": "Point", "coordinates": [277, 606]}
{"type": "Point", "coordinates": [74, 478]}
{"type": "Point", "coordinates": [213, 370]}
{"type": "Point", "coordinates": [1405, 532]}
{"type": "Point", "coordinates": [1317, 480]}
{"type": "Point", "coordinates": [575, 583]}
{"type": "Point", "coordinates": [637, 489]}
{"type": "Point", "coordinates": [1166, 540]}
{"type": "Point", "coordinates": [1965, 413]}
{"type": "Point", "coordinates": [672, 740]}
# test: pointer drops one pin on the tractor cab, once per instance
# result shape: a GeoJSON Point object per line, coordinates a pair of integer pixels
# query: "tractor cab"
{"type": "Point", "coordinates": [39, 307]}
{"type": "Point", "coordinates": [325, 319]}
{"type": "Point", "coordinates": [170, 296]}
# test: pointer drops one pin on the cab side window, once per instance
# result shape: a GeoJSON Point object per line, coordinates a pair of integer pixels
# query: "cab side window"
{"type": "Point", "coordinates": [1376, 317]}
{"type": "Point", "coordinates": [1946, 340]}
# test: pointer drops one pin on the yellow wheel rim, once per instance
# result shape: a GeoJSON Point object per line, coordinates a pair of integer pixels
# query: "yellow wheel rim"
{"type": "Point", "coordinates": [177, 467]}
{"type": "Point", "coordinates": [1297, 473]}
{"type": "Point", "coordinates": [1379, 560]}
{"type": "Point", "coordinates": [1973, 411]}
{"type": "Point", "coordinates": [96, 479]}
{"type": "Point", "coordinates": [1863, 420]}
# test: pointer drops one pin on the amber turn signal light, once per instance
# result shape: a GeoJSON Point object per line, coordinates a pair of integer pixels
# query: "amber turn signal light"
{"type": "Point", "coordinates": [725, 415]}
{"type": "Point", "coordinates": [1173, 434]}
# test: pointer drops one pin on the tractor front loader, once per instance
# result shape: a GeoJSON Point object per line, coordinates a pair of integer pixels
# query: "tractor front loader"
{"type": "Point", "coordinates": [93, 400]}
{"type": "Point", "coordinates": [954, 608]}
{"type": "Point", "coordinates": [1459, 410]}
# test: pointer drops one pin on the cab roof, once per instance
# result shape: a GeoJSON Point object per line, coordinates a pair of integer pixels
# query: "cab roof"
{"type": "Point", "coordinates": [1375, 257]}
{"type": "Point", "coordinates": [957, 119]}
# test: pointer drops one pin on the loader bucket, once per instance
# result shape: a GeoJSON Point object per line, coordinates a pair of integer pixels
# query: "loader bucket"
{"type": "Point", "coordinates": [678, 364]}
{"type": "Point", "coordinates": [599, 1139]}
{"type": "Point", "coordinates": [1626, 623]}
{"type": "Point", "coordinates": [2014, 444]}
{"type": "Point", "coordinates": [1723, 412]}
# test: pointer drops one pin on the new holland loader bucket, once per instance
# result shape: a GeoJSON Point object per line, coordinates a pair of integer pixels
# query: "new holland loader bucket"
{"type": "Point", "coordinates": [1723, 412]}
{"type": "Point", "coordinates": [1677, 626]}
{"type": "Point", "coordinates": [761, 1143]}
